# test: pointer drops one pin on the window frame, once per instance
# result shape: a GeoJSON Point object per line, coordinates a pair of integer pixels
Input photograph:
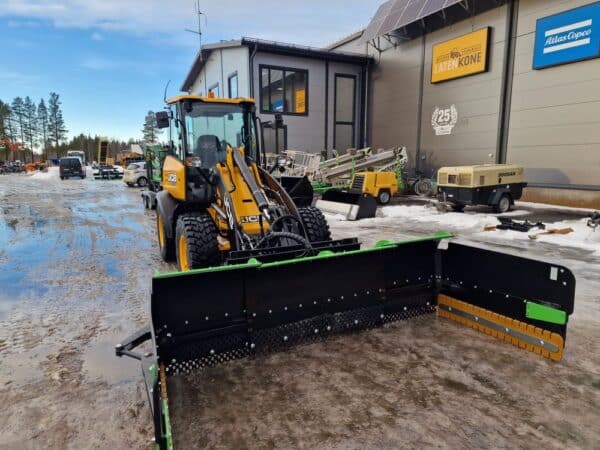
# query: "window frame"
{"type": "Point", "coordinates": [237, 84]}
{"type": "Point", "coordinates": [284, 69]}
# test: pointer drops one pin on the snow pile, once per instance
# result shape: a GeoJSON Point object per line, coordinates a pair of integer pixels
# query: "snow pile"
{"type": "Point", "coordinates": [582, 236]}
{"type": "Point", "coordinates": [52, 173]}
{"type": "Point", "coordinates": [429, 214]}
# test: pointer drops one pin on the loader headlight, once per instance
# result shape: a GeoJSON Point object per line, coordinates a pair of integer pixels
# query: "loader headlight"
{"type": "Point", "coordinates": [193, 161]}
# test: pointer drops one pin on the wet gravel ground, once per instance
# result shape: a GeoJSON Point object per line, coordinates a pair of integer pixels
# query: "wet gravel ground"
{"type": "Point", "coordinates": [76, 258]}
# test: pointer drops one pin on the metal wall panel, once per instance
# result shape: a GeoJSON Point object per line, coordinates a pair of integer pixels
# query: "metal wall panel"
{"type": "Point", "coordinates": [555, 126]}
{"type": "Point", "coordinates": [476, 98]}
{"type": "Point", "coordinates": [394, 97]}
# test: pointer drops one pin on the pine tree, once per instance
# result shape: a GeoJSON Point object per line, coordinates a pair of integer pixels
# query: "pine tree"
{"type": "Point", "coordinates": [30, 123]}
{"type": "Point", "coordinates": [151, 130]}
{"type": "Point", "coordinates": [4, 127]}
{"type": "Point", "coordinates": [18, 113]}
{"type": "Point", "coordinates": [56, 123]}
{"type": "Point", "coordinates": [42, 119]}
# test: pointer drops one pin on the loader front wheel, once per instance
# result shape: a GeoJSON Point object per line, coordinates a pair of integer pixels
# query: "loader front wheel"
{"type": "Point", "coordinates": [315, 224]}
{"type": "Point", "coordinates": [165, 244]}
{"type": "Point", "coordinates": [196, 238]}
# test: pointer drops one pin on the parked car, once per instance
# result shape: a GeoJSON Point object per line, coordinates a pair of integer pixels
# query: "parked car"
{"type": "Point", "coordinates": [136, 174]}
{"type": "Point", "coordinates": [71, 167]}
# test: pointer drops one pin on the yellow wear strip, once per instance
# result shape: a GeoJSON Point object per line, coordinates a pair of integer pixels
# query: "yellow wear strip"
{"type": "Point", "coordinates": [163, 382]}
{"type": "Point", "coordinates": [520, 334]}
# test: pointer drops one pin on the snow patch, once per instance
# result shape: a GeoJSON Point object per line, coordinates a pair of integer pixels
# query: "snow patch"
{"type": "Point", "coordinates": [51, 173]}
{"type": "Point", "coordinates": [421, 213]}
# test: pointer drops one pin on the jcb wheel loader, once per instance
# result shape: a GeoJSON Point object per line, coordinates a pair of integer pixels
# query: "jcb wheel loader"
{"type": "Point", "coordinates": [219, 204]}
{"type": "Point", "coordinates": [267, 274]}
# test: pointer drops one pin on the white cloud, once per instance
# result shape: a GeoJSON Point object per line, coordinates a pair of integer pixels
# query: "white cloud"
{"type": "Point", "coordinates": [311, 22]}
{"type": "Point", "coordinates": [97, 36]}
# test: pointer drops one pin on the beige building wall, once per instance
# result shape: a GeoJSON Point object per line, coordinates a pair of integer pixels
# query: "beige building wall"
{"type": "Point", "coordinates": [476, 98]}
{"type": "Point", "coordinates": [555, 112]}
{"type": "Point", "coordinates": [394, 97]}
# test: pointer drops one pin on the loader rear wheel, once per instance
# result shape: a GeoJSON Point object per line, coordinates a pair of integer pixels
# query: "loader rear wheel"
{"type": "Point", "coordinates": [196, 238]}
{"type": "Point", "coordinates": [164, 243]}
{"type": "Point", "coordinates": [315, 224]}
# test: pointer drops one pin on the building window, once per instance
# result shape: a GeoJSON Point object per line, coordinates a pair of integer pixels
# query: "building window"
{"type": "Point", "coordinates": [344, 114]}
{"type": "Point", "coordinates": [215, 90]}
{"type": "Point", "coordinates": [232, 85]}
{"type": "Point", "coordinates": [283, 90]}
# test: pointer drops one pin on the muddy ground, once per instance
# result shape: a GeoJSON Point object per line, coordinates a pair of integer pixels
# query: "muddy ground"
{"type": "Point", "coordinates": [76, 258]}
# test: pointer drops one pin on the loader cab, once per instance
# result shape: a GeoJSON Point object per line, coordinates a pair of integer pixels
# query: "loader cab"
{"type": "Point", "coordinates": [200, 131]}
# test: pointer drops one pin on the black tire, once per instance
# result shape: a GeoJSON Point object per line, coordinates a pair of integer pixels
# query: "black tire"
{"type": "Point", "coordinates": [503, 204]}
{"type": "Point", "coordinates": [167, 246]}
{"type": "Point", "coordinates": [423, 187]}
{"type": "Point", "coordinates": [201, 246]}
{"type": "Point", "coordinates": [62, 178]}
{"type": "Point", "coordinates": [457, 207]}
{"type": "Point", "coordinates": [384, 197]}
{"type": "Point", "coordinates": [142, 182]}
{"type": "Point", "coordinates": [315, 224]}
{"type": "Point", "coordinates": [129, 184]}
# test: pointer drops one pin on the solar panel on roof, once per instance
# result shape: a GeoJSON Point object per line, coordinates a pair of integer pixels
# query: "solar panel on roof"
{"type": "Point", "coordinates": [410, 14]}
{"type": "Point", "coordinates": [431, 7]}
{"type": "Point", "coordinates": [372, 30]}
{"type": "Point", "coordinates": [395, 14]}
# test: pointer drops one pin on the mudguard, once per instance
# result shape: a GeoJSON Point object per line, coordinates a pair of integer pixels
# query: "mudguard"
{"type": "Point", "coordinates": [165, 206]}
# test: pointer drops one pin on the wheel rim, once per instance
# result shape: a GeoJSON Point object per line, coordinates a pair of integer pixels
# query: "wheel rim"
{"type": "Point", "coordinates": [184, 264]}
{"type": "Point", "coordinates": [142, 182]}
{"type": "Point", "coordinates": [384, 197]}
{"type": "Point", "coordinates": [161, 231]}
{"type": "Point", "coordinates": [504, 204]}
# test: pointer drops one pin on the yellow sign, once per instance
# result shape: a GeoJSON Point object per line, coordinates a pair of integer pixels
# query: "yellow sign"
{"type": "Point", "coordinates": [465, 55]}
{"type": "Point", "coordinates": [300, 101]}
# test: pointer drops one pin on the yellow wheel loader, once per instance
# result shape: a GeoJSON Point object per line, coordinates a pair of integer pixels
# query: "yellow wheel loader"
{"type": "Point", "coordinates": [219, 204]}
{"type": "Point", "coordinates": [258, 274]}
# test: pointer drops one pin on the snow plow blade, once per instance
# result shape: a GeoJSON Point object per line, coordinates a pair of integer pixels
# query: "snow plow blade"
{"type": "Point", "coordinates": [206, 317]}
{"type": "Point", "coordinates": [352, 205]}
{"type": "Point", "coordinates": [524, 302]}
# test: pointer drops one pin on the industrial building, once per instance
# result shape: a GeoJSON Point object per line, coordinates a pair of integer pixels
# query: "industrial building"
{"type": "Point", "coordinates": [455, 81]}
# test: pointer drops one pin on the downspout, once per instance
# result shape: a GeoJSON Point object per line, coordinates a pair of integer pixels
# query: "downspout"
{"type": "Point", "coordinates": [365, 104]}
{"type": "Point", "coordinates": [420, 106]}
{"type": "Point", "coordinates": [512, 14]}
{"type": "Point", "coordinates": [327, 107]}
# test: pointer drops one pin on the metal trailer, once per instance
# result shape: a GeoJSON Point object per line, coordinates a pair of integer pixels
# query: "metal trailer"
{"type": "Point", "coordinates": [201, 318]}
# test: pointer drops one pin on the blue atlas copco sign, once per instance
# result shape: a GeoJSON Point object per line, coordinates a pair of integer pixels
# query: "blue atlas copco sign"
{"type": "Point", "coordinates": [570, 36]}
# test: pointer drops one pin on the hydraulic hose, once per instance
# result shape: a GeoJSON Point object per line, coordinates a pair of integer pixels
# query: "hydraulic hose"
{"type": "Point", "coordinates": [283, 235]}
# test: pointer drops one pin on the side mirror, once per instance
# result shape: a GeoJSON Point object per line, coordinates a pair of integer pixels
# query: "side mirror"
{"type": "Point", "coordinates": [162, 119]}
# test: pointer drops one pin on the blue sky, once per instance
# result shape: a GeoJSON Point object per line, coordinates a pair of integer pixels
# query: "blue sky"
{"type": "Point", "coordinates": [110, 59]}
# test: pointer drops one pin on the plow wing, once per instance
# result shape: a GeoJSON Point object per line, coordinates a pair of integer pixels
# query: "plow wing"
{"type": "Point", "coordinates": [206, 317]}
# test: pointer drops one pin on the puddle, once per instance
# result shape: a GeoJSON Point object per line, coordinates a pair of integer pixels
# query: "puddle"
{"type": "Point", "coordinates": [101, 364]}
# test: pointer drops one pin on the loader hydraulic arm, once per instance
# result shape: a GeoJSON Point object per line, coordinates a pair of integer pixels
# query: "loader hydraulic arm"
{"type": "Point", "coordinates": [257, 193]}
